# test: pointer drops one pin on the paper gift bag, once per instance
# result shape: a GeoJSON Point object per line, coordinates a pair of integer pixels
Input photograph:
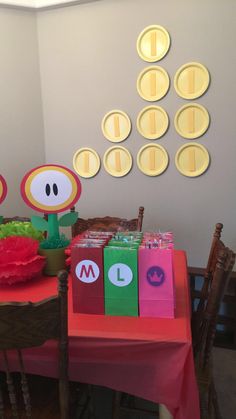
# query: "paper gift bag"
{"type": "Point", "coordinates": [126, 237]}
{"type": "Point", "coordinates": [104, 235]}
{"type": "Point", "coordinates": [87, 279]}
{"type": "Point", "coordinates": [129, 235]}
{"type": "Point", "coordinates": [156, 282]}
{"type": "Point", "coordinates": [121, 281]}
{"type": "Point", "coordinates": [121, 243]}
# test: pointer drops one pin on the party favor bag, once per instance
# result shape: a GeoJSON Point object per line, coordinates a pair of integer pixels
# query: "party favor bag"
{"type": "Point", "coordinates": [121, 281]}
{"type": "Point", "coordinates": [87, 278]}
{"type": "Point", "coordinates": [121, 243]}
{"type": "Point", "coordinates": [156, 282]}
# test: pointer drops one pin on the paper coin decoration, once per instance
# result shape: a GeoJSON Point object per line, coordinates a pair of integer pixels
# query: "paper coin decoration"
{"type": "Point", "coordinates": [86, 162]}
{"type": "Point", "coordinates": [117, 161]}
{"type": "Point", "coordinates": [191, 80]}
{"type": "Point", "coordinates": [3, 189]}
{"type": "Point", "coordinates": [152, 159]}
{"type": "Point", "coordinates": [191, 120]}
{"type": "Point", "coordinates": [116, 126]}
{"type": "Point", "coordinates": [153, 83]}
{"type": "Point", "coordinates": [153, 43]}
{"type": "Point", "coordinates": [50, 188]}
{"type": "Point", "coordinates": [152, 122]}
{"type": "Point", "coordinates": [192, 159]}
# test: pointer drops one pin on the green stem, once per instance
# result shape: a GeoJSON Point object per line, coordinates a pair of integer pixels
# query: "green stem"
{"type": "Point", "coordinates": [53, 226]}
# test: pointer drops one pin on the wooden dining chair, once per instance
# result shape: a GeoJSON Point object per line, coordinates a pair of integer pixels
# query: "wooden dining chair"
{"type": "Point", "coordinates": [206, 274]}
{"type": "Point", "coordinates": [204, 330]}
{"type": "Point", "coordinates": [108, 223]}
{"type": "Point", "coordinates": [105, 224]}
{"type": "Point", "coordinates": [26, 325]}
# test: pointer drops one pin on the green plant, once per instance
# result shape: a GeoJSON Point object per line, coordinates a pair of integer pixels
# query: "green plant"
{"type": "Point", "coordinates": [19, 228]}
{"type": "Point", "coordinates": [54, 240]}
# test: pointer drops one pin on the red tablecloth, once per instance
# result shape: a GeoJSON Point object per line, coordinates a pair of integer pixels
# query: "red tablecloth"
{"type": "Point", "coordinates": [147, 357]}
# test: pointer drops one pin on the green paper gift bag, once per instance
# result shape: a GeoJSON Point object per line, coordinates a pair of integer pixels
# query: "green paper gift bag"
{"type": "Point", "coordinates": [118, 243]}
{"type": "Point", "coordinates": [130, 234]}
{"type": "Point", "coordinates": [121, 281]}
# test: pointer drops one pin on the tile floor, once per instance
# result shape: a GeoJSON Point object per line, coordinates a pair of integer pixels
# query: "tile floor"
{"type": "Point", "coordinates": [225, 380]}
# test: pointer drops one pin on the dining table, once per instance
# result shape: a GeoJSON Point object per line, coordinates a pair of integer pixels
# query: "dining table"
{"type": "Point", "coordinates": [148, 357]}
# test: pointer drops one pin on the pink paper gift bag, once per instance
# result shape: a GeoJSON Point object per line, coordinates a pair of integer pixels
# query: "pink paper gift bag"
{"type": "Point", "coordinates": [156, 282]}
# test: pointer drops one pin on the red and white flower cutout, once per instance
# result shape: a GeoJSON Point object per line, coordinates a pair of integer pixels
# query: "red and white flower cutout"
{"type": "Point", "coordinates": [3, 189]}
{"type": "Point", "coordinates": [50, 188]}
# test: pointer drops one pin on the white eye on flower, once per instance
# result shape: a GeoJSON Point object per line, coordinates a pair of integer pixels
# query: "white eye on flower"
{"type": "Point", "coordinates": [50, 188]}
{"type": "Point", "coordinates": [3, 189]}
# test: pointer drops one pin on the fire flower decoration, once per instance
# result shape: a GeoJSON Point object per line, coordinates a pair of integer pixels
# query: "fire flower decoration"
{"type": "Point", "coordinates": [3, 192]}
{"type": "Point", "coordinates": [51, 189]}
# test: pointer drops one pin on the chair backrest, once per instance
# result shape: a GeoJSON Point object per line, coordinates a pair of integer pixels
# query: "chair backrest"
{"type": "Point", "coordinates": [216, 246]}
{"type": "Point", "coordinates": [108, 223]}
{"type": "Point", "coordinates": [26, 325]}
{"type": "Point", "coordinates": [204, 328]}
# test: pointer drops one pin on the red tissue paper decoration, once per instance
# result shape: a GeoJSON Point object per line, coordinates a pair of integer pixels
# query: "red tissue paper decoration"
{"type": "Point", "coordinates": [19, 261]}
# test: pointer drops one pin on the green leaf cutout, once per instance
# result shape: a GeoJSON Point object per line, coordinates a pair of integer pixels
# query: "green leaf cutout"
{"type": "Point", "coordinates": [39, 223]}
{"type": "Point", "coordinates": [68, 219]}
{"type": "Point", "coordinates": [1, 219]}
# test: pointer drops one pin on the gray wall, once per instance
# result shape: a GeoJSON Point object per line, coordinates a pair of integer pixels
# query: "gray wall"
{"type": "Point", "coordinates": [89, 65]}
{"type": "Point", "coordinates": [21, 125]}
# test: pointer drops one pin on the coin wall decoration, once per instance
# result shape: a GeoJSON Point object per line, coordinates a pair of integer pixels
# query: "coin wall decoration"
{"type": "Point", "coordinates": [191, 120]}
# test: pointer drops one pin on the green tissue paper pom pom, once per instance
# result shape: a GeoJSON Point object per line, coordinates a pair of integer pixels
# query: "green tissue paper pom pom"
{"type": "Point", "coordinates": [55, 243]}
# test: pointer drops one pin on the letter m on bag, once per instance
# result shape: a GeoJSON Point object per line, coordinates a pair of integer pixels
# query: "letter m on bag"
{"type": "Point", "coordinates": [87, 271]}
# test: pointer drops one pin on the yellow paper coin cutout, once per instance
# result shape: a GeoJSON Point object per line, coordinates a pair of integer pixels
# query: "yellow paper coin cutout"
{"type": "Point", "coordinates": [117, 161]}
{"type": "Point", "coordinates": [152, 122]}
{"type": "Point", "coordinates": [152, 159]}
{"type": "Point", "coordinates": [116, 126]}
{"type": "Point", "coordinates": [86, 162]}
{"type": "Point", "coordinates": [191, 120]}
{"type": "Point", "coordinates": [153, 83]}
{"type": "Point", "coordinates": [153, 43]}
{"type": "Point", "coordinates": [192, 159]}
{"type": "Point", "coordinates": [191, 80]}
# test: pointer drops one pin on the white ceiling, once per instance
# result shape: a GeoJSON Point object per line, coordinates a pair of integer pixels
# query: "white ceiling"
{"type": "Point", "coordinates": [38, 4]}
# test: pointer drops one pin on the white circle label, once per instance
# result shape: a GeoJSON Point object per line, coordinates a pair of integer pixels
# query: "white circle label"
{"type": "Point", "coordinates": [120, 275]}
{"type": "Point", "coordinates": [87, 271]}
{"type": "Point", "coordinates": [51, 187]}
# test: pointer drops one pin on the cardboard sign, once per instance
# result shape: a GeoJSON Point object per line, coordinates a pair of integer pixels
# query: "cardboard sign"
{"type": "Point", "coordinates": [121, 281]}
{"type": "Point", "coordinates": [156, 282]}
{"type": "Point", "coordinates": [50, 188]}
{"type": "Point", "coordinates": [87, 278]}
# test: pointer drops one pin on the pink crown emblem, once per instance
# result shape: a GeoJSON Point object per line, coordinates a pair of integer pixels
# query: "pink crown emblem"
{"type": "Point", "coordinates": [155, 276]}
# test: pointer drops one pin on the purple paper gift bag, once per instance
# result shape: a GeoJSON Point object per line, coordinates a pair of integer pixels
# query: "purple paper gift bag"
{"type": "Point", "coordinates": [156, 282]}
